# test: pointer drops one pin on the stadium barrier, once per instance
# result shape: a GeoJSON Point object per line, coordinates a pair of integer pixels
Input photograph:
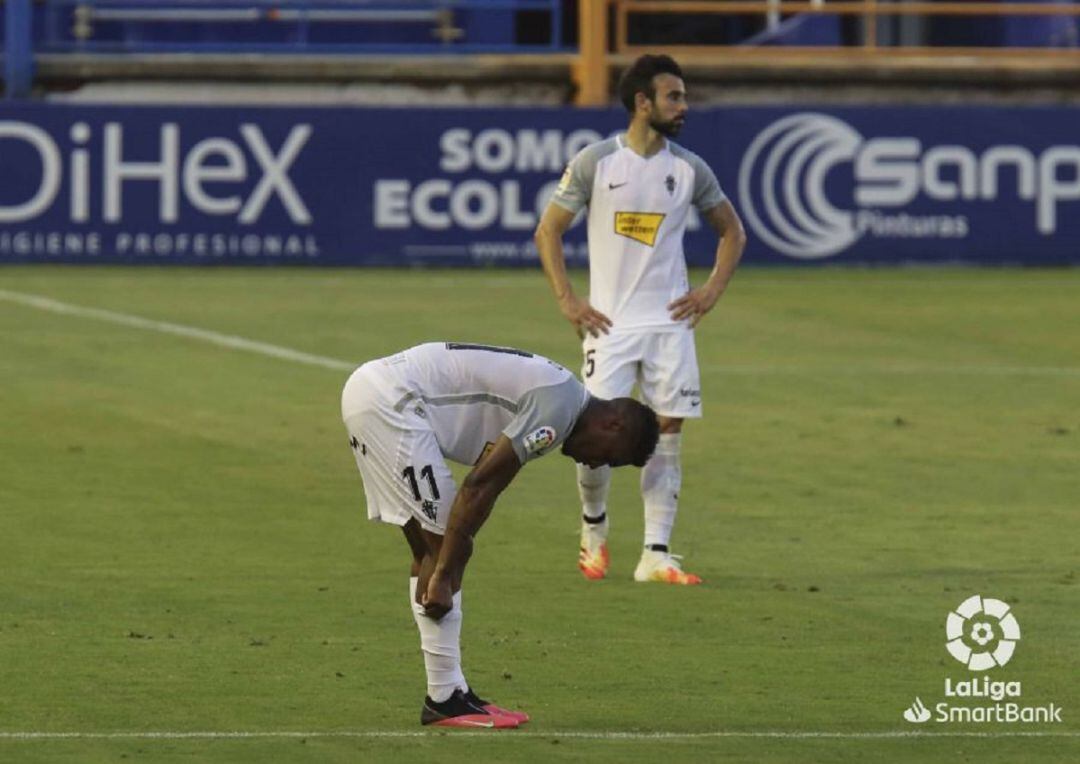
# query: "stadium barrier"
{"type": "Point", "coordinates": [294, 26]}
{"type": "Point", "coordinates": [991, 42]}
{"type": "Point", "coordinates": [359, 186]}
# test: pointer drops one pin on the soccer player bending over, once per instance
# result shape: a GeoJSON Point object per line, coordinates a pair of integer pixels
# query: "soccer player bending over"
{"type": "Point", "coordinates": [492, 407]}
{"type": "Point", "coordinates": [638, 323]}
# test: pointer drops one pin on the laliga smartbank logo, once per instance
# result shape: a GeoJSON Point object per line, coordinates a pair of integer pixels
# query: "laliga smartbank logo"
{"type": "Point", "coordinates": [982, 633]}
{"type": "Point", "coordinates": [783, 175]}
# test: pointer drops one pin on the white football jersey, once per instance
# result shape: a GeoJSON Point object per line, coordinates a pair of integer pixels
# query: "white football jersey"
{"type": "Point", "coordinates": [470, 394]}
{"type": "Point", "coordinates": [638, 211]}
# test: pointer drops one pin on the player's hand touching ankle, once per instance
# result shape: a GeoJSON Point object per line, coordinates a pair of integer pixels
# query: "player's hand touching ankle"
{"type": "Point", "coordinates": [438, 598]}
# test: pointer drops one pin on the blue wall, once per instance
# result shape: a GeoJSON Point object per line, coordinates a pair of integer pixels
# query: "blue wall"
{"type": "Point", "coordinates": [352, 186]}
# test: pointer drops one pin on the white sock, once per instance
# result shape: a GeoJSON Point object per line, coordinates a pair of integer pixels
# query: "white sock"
{"type": "Point", "coordinates": [440, 642]}
{"type": "Point", "coordinates": [661, 479]}
{"type": "Point", "coordinates": [593, 490]}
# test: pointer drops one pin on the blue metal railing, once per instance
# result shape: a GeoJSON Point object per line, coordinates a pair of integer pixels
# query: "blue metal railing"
{"type": "Point", "coordinates": [18, 49]}
{"type": "Point", "coordinates": [269, 27]}
{"type": "Point", "coordinates": [292, 26]}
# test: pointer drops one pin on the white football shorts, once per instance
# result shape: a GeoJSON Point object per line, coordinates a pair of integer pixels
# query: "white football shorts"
{"type": "Point", "coordinates": [404, 473]}
{"type": "Point", "coordinates": [662, 363]}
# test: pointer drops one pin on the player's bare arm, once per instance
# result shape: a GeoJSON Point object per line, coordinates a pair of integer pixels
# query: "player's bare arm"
{"type": "Point", "coordinates": [697, 302]}
{"type": "Point", "coordinates": [472, 505]}
{"type": "Point", "coordinates": [549, 237]}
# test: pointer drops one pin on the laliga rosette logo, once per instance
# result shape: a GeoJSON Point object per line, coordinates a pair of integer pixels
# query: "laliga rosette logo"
{"type": "Point", "coordinates": [982, 633]}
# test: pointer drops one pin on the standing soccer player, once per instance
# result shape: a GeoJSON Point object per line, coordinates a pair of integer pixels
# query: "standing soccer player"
{"type": "Point", "coordinates": [638, 323]}
{"type": "Point", "coordinates": [492, 407]}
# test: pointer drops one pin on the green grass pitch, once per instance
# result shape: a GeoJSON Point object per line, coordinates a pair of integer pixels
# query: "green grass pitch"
{"type": "Point", "coordinates": [183, 542]}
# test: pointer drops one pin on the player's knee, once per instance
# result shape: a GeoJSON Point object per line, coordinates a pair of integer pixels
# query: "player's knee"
{"type": "Point", "coordinates": [670, 425]}
{"type": "Point", "coordinates": [419, 544]}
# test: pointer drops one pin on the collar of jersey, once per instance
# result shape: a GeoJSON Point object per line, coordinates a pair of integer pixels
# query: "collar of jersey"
{"type": "Point", "coordinates": [620, 141]}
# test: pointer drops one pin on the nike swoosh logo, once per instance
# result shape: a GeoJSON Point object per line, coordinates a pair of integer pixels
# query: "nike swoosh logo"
{"type": "Point", "coordinates": [613, 186]}
{"type": "Point", "coordinates": [478, 724]}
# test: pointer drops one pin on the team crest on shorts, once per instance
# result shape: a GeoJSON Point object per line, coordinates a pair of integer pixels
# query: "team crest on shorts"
{"type": "Point", "coordinates": [539, 439]}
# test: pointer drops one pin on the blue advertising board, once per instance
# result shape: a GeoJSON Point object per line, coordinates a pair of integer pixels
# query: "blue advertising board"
{"type": "Point", "coordinates": [373, 186]}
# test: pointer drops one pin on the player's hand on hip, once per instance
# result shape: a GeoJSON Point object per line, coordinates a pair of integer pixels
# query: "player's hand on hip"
{"type": "Point", "coordinates": [693, 305]}
{"type": "Point", "coordinates": [438, 598]}
{"type": "Point", "coordinates": [584, 316]}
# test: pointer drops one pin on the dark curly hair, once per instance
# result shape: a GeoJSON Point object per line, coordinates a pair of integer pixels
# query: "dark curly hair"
{"type": "Point", "coordinates": [642, 428]}
{"type": "Point", "coordinates": [639, 77]}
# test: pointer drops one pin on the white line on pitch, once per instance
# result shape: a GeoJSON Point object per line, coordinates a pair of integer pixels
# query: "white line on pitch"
{"type": "Point", "coordinates": [191, 332]}
{"type": "Point", "coordinates": [276, 351]}
{"type": "Point", "coordinates": [996, 370]}
{"type": "Point", "coordinates": [579, 734]}
{"type": "Point", "coordinates": [801, 279]}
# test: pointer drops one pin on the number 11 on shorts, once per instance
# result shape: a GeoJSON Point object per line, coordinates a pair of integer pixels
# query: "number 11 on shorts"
{"type": "Point", "coordinates": [426, 472]}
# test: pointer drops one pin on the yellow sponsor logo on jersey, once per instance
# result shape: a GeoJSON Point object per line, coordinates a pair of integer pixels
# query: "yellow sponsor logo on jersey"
{"type": "Point", "coordinates": [639, 226]}
{"type": "Point", "coordinates": [567, 176]}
